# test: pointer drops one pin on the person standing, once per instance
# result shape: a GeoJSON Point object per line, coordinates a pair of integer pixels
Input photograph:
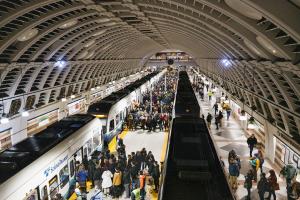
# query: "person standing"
{"type": "Point", "coordinates": [251, 141]}
{"type": "Point", "coordinates": [217, 121]}
{"type": "Point", "coordinates": [254, 162]}
{"type": "Point", "coordinates": [127, 181]}
{"type": "Point", "coordinates": [82, 177]}
{"type": "Point", "coordinates": [262, 186]}
{"type": "Point", "coordinates": [220, 116]}
{"type": "Point", "coordinates": [117, 181]}
{"type": "Point", "coordinates": [289, 172]}
{"type": "Point", "coordinates": [273, 185]}
{"type": "Point", "coordinates": [155, 175]}
{"type": "Point", "coordinates": [142, 183]}
{"type": "Point", "coordinates": [106, 181]}
{"type": "Point", "coordinates": [208, 119]}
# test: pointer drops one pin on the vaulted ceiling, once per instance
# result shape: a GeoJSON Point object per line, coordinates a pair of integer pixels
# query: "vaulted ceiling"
{"type": "Point", "coordinates": [54, 48]}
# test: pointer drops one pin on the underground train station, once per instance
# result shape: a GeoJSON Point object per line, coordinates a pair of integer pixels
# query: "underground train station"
{"type": "Point", "coordinates": [149, 99]}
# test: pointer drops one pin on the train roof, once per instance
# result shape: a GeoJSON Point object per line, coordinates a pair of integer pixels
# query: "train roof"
{"type": "Point", "coordinates": [15, 158]}
{"type": "Point", "coordinates": [186, 101]}
{"type": "Point", "coordinates": [193, 167]}
{"type": "Point", "coordinates": [103, 106]}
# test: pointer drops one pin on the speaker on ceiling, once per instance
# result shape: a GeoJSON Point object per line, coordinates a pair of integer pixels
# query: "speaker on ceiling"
{"type": "Point", "coordinates": [170, 61]}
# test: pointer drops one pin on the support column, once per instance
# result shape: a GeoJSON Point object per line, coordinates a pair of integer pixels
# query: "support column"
{"type": "Point", "coordinates": [270, 144]}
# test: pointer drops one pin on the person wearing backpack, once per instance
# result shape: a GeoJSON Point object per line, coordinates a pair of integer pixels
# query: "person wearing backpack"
{"type": "Point", "coordinates": [289, 172]}
{"type": "Point", "coordinates": [254, 162]}
{"type": "Point", "coordinates": [262, 186]}
{"type": "Point", "coordinates": [234, 173]}
{"type": "Point", "coordinates": [98, 195]}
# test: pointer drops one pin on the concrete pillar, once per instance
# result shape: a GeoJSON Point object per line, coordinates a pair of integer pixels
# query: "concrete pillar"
{"type": "Point", "coordinates": [270, 144]}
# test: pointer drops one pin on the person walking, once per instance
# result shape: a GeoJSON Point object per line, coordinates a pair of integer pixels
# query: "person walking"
{"type": "Point", "coordinates": [234, 173]}
{"type": "Point", "coordinates": [262, 186]}
{"type": "Point", "coordinates": [273, 185]}
{"type": "Point", "coordinates": [220, 116]}
{"type": "Point", "coordinates": [217, 121]}
{"type": "Point", "coordinates": [228, 112]}
{"type": "Point", "coordinates": [248, 183]}
{"type": "Point", "coordinates": [251, 141]}
{"type": "Point", "coordinates": [208, 119]}
{"type": "Point", "coordinates": [216, 108]}
{"type": "Point", "coordinates": [209, 94]}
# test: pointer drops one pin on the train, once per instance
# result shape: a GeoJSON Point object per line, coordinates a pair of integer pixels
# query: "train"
{"type": "Point", "coordinates": [192, 169]}
{"type": "Point", "coordinates": [45, 164]}
{"type": "Point", "coordinates": [113, 109]}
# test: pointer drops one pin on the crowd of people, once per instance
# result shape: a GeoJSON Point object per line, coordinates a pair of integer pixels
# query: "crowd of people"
{"type": "Point", "coordinates": [267, 183]}
{"type": "Point", "coordinates": [155, 109]}
{"type": "Point", "coordinates": [113, 174]}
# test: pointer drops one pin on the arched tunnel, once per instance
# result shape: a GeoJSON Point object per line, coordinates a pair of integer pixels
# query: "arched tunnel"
{"type": "Point", "coordinates": [57, 49]}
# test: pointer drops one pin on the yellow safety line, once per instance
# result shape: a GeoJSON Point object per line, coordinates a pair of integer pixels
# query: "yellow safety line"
{"type": "Point", "coordinates": [164, 147]}
{"type": "Point", "coordinates": [112, 146]}
{"type": "Point", "coordinates": [154, 195]}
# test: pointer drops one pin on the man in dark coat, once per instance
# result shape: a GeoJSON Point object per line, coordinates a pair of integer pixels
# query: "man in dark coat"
{"type": "Point", "coordinates": [251, 141]}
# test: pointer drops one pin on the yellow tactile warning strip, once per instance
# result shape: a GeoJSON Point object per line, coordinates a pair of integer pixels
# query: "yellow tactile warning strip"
{"type": "Point", "coordinates": [154, 195]}
{"type": "Point", "coordinates": [112, 146]}
{"type": "Point", "coordinates": [88, 188]}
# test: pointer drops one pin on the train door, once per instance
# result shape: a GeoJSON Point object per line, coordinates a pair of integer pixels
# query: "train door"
{"type": "Point", "coordinates": [44, 193]}
{"type": "Point", "coordinates": [87, 148]}
{"type": "Point", "coordinates": [53, 187]}
{"type": "Point", "coordinates": [78, 159]}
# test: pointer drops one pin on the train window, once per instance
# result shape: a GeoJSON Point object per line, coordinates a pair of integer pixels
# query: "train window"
{"type": "Point", "coordinates": [53, 186]}
{"type": "Point", "coordinates": [72, 168]}
{"type": "Point", "coordinates": [104, 129]}
{"type": "Point", "coordinates": [111, 125]}
{"type": "Point", "coordinates": [44, 193]}
{"type": "Point", "coordinates": [117, 119]}
{"type": "Point", "coordinates": [89, 146]}
{"type": "Point", "coordinates": [96, 139]}
{"type": "Point", "coordinates": [85, 152]}
{"type": "Point", "coordinates": [64, 176]}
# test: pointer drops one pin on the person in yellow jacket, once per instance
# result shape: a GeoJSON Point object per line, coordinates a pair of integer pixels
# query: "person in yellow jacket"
{"type": "Point", "coordinates": [117, 181]}
{"type": "Point", "coordinates": [209, 94]}
{"type": "Point", "coordinates": [254, 162]}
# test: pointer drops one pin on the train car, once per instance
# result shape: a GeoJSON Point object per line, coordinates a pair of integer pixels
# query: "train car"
{"type": "Point", "coordinates": [113, 109]}
{"type": "Point", "coordinates": [192, 169]}
{"type": "Point", "coordinates": [186, 104]}
{"type": "Point", "coordinates": [42, 165]}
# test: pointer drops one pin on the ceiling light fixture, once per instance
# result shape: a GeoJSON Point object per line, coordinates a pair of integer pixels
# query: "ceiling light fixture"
{"type": "Point", "coordinates": [68, 24]}
{"type": "Point", "coordinates": [28, 34]}
{"type": "Point", "coordinates": [99, 33]}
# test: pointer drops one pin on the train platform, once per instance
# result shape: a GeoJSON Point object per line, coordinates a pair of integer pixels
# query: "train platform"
{"type": "Point", "coordinates": [135, 141]}
{"type": "Point", "coordinates": [232, 136]}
